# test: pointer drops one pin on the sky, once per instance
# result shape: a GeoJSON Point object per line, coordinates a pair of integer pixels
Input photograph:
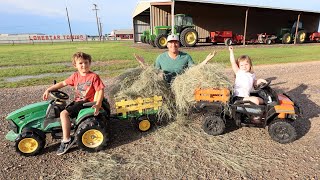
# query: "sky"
{"type": "Point", "coordinates": [49, 16]}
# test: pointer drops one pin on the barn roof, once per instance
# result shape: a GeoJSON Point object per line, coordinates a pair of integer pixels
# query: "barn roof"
{"type": "Point", "coordinates": [303, 7]}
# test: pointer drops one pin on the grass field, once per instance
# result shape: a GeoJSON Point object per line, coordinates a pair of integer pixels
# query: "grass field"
{"type": "Point", "coordinates": [27, 65]}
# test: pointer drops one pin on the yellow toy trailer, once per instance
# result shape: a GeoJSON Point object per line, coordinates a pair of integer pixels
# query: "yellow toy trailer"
{"type": "Point", "coordinates": [278, 111]}
{"type": "Point", "coordinates": [142, 110]}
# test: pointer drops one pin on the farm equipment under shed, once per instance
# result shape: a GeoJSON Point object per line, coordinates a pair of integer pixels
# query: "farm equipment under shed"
{"type": "Point", "coordinates": [228, 38]}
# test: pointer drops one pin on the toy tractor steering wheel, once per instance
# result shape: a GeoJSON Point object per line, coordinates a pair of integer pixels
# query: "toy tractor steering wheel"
{"type": "Point", "coordinates": [59, 95]}
{"type": "Point", "coordinates": [262, 85]}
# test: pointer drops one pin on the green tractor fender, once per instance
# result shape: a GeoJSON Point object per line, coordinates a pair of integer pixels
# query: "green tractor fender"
{"type": "Point", "coordinates": [84, 114]}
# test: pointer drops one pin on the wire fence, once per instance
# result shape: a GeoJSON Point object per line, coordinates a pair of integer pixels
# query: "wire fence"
{"type": "Point", "coordinates": [87, 39]}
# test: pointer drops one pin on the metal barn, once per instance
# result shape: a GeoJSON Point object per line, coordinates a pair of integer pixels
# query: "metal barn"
{"type": "Point", "coordinates": [212, 15]}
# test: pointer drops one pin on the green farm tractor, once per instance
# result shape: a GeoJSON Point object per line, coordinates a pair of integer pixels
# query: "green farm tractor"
{"type": "Point", "coordinates": [145, 36]}
{"type": "Point", "coordinates": [184, 27]}
{"type": "Point", "coordinates": [287, 35]}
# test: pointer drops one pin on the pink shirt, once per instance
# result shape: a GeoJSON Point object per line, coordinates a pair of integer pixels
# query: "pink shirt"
{"type": "Point", "coordinates": [85, 86]}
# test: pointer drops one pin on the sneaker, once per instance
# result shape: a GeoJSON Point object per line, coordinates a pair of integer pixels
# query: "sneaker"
{"type": "Point", "coordinates": [65, 146]}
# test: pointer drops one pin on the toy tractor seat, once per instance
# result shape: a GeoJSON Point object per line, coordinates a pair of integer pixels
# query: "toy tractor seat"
{"type": "Point", "coordinates": [249, 109]}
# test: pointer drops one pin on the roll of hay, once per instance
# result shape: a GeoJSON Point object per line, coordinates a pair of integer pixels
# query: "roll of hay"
{"type": "Point", "coordinates": [199, 76]}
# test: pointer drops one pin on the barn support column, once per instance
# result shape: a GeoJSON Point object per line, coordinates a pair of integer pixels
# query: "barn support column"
{"type": "Point", "coordinates": [245, 27]}
{"type": "Point", "coordinates": [296, 32]}
{"type": "Point", "coordinates": [151, 20]}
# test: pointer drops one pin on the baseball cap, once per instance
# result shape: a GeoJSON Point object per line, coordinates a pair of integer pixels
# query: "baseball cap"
{"type": "Point", "coordinates": [173, 37]}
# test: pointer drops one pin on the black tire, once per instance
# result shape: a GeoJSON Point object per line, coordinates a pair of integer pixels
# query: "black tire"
{"type": "Point", "coordinates": [161, 41]}
{"type": "Point", "coordinates": [91, 135]}
{"type": "Point", "coordinates": [29, 144]}
{"type": "Point", "coordinates": [268, 41]}
{"type": "Point", "coordinates": [34, 130]}
{"type": "Point", "coordinates": [286, 38]}
{"type": "Point", "coordinates": [282, 131]}
{"type": "Point", "coordinates": [144, 123]}
{"type": "Point", "coordinates": [152, 43]}
{"type": "Point", "coordinates": [301, 37]}
{"type": "Point", "coordinates": [189, 37]}
{"type": "Point", "coordinates": [228, 42]}
{"type": "Point", "coordinates": [213, 125]}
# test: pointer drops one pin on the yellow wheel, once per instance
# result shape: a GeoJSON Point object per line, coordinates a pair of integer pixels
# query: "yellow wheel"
{"type": "Point", "coordinates": [301, 36]}
{"type": "Point", "coordinates": [91, 134]}
{"type": "Point", "coordinates": [144, 125]}
{"type": "Point", "coordinates": [29, 144]}
{"type": "Point", "coordinates": [92, 138]}
{"type": "Point", "coordinates": [189, 37]}
{"type": "Point", "coordinates": [161, 41]}
{"type": "Point", "coordinates": [286, 38]}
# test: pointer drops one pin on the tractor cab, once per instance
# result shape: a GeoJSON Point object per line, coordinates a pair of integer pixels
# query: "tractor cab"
{"type": "Point", "coordinates": [182, 21]}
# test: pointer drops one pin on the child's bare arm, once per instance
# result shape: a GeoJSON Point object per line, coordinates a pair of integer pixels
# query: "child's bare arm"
{"type": "Point", "coordinates": [52, 88]}
{"type": "Point", "coordinates": [234, 65]}
{"type": "Point", "coordinates": [261, 81]}
{"type": "Point", "coordinates": [98, 97]}
{"type": "Point", "coordinates": [140, 60]}
{"type": "Point", "coordinates": [210, 56]}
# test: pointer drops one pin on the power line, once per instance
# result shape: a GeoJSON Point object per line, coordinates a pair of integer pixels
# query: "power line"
{"type": "Point", "coordinates": [69, 23]}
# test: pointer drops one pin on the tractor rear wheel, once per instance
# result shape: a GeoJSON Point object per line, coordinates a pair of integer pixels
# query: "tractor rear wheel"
{"type": "Point", "coordinates": [189, 37]}
{"type": "Point", "coordinates": [282, 131]}
{"type": "Point", "coordinates": [29, 144]}
{"type": "Point", "coordinates": [152, 43]}
{"type": "Point", "coordinates": [91, 135]}
{"type": "Point", "coordinates": [301, 37]}
{"type": "Point", "coordinates": [286, 38]}
{"type": "Point", "coordinates": [161, 41]}
{"type": "Point", "coordinates": [213, 125]}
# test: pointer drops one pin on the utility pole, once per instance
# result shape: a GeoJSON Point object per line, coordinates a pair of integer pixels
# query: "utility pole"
{"type": "Point", "coordinates": [95, 9]}
{"type": "Point", "coordinates": [100, 25]}
{"type": "Point", "coordinates": [69, 23]}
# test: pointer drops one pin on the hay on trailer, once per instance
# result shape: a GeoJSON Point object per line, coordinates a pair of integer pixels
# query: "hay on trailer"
{"type": "Point", "coordinates": [199, 76]}
{"type": "Point", "coordinates": [125, 79]}
{"type": "Point", "coordinates": [147, 83]}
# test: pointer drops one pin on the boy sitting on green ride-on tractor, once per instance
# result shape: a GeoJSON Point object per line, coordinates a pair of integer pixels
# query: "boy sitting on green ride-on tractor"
{"type": "Point", "coordinates": [88, 88]}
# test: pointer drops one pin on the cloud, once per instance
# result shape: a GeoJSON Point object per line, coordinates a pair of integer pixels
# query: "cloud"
{"type": "Point", "coordinates": [35, 7]}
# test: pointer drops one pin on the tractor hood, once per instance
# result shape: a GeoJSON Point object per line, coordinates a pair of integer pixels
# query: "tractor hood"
{"type": "Point", "coordinates": [36, 108]}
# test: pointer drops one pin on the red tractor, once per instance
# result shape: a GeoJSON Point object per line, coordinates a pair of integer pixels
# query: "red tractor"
{"type": "Point", "coordinates": [226, 37]}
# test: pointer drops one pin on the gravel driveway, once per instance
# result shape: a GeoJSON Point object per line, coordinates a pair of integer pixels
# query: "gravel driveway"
{"type": "Point", "coordinates": [300, 159]}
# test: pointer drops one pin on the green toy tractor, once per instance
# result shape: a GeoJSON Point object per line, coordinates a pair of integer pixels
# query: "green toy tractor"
{"type": "Point", "coordinates": [184, 27]}
{"type": "Point", "coordinates": [287, 35]}
{"type": "Point", "coordinates": [30, 124]}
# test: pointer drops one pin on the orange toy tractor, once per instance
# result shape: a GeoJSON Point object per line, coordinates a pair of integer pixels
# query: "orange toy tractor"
{"type": "Point", "coordinates": [278, 112]}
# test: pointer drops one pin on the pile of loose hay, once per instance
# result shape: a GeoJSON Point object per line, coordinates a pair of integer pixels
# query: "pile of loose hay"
{"type": "Point", "coordinates": [177, 98]}
{"type": "Point", "coordinates": [199, 76]}
{"type": "Point", "coordinates": [145, 83]}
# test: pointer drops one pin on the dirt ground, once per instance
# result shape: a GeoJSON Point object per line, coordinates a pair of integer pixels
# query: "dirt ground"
{"type": "Point", "coordinates": [181, 150]}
